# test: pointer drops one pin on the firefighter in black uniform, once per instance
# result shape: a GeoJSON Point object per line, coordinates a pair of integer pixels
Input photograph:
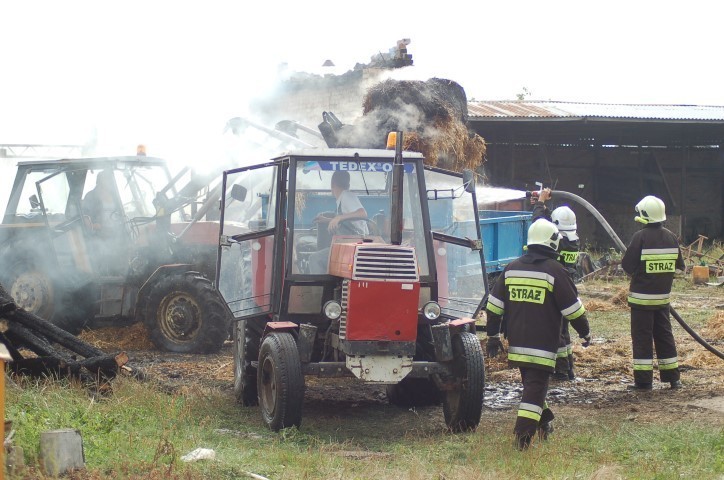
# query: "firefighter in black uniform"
{"type": "Point", "coordinates": [533, 294]}
{"type": "Point", "coordinates": [651, 259]}
{"type": "Point", "coordinates": [564, 218]}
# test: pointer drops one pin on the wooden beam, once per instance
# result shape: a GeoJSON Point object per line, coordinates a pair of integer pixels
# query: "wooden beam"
{"type": "Point", "coordinates": [666, 183]}
{"type": "Point", "coordinates": [721, 193]}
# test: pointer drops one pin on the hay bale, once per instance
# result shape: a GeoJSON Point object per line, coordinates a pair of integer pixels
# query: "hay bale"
{"type": "Point", "coordinates": [432, 114]}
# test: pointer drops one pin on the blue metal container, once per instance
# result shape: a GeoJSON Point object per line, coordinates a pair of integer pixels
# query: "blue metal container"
{"type": "Point", "coordinates": [504, 234]}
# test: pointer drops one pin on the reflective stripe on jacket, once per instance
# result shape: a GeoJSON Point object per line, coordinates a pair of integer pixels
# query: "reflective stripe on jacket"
{"type": "Point", "coordinates": [535, 294]}
{"type": "Point", "coordinates": [651, 259]}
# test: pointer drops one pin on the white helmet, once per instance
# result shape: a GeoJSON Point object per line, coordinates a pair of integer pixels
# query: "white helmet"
{"type": "Point", "coordinates": [650, 210]}
{"type": "Point", "coordinates": [543, 232]}
{"type": "Point", "coordinates": [565, 220]}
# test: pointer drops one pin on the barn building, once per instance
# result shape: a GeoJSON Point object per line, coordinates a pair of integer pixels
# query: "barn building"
{"type": "Point", "coordinates": [611, 155]}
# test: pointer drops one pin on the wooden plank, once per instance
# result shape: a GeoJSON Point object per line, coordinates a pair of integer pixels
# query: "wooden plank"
{"type": "Point", "coordinates": [666, 183]}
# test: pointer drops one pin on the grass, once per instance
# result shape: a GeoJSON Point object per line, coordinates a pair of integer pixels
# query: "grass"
{"type": "Point", "coordinates": [140, 432]}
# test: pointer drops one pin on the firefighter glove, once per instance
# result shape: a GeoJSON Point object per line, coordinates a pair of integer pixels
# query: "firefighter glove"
{"type": "Point", "coordinates": [586, 341]}
{"type": "Point", "coordinates": [494, 346]}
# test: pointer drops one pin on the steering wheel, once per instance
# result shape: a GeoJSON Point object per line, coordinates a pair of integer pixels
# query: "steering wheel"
{"type": "Point", "coordinates": [63, 227]}
{"type": "Point", "coordinates": [346, 227]}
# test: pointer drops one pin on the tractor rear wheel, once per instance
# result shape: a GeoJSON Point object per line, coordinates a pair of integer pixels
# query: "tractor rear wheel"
{"type": "Point", "coordinates": [280, 381]}
{"type": "Point", "coordinates": [247, 336]}
{"type": "Point", "coordinates": [185, 314]}
{"type": "Point", "coordinates": [463, 405]}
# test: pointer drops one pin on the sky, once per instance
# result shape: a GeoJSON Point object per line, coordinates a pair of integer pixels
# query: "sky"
{"type": "Point", "coordinates": [170, 73]}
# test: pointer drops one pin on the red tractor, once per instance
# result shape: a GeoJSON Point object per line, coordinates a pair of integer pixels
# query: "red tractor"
{"type": "Point", "coordinates": [389, 298]}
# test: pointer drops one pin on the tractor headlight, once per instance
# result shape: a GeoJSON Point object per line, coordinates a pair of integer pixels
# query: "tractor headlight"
{"type": "Point", "coordinates": [332, 310]}
{"type": "Point", "coordinates": [431, 310]}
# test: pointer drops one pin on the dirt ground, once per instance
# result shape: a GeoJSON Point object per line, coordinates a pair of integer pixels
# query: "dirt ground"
{"type": "Point", "coordinates": [603, 370]}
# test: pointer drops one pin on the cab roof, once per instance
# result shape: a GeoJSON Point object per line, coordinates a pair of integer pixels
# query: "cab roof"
{"type": "Point", "coordinates": [347, 153]}
{"type": "Point", "coordinates": [95, 161]}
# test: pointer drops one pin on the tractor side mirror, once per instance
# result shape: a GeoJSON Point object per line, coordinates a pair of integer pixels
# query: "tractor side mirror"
{"type": "Point", "coordinates": [469, 180]}
{"type": "Point", "coordinates": [34, 202]}
{"type": "Point", "coordinates": [238, 192]}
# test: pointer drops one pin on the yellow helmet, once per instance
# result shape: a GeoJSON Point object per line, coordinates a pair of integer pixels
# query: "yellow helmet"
{"type": "Point", "coordinates": [650, 210]}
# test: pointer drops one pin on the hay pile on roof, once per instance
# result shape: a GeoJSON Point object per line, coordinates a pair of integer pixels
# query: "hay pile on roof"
{"type": "Point", "coordinates": [433, 116]}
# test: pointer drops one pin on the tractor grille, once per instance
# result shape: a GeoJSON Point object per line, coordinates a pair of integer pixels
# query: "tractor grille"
{"type": "Point", "coordinates": [343, 318]}
{"type": "Point", "coordinates": [387, 263]}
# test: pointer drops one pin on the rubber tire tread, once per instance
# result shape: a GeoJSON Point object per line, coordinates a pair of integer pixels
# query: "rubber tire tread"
{"type": "Point", "coordinates": [215, 328]}
{"type": "Point", "coordinates": [248, 395]}
{"type": "Point", "coordinates": [282, 348]}
{"type": "Point", "coordinates": [468, 366]}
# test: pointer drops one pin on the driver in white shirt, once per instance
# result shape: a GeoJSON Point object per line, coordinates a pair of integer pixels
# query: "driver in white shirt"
{"type": "Point", "coordinates": [348, 208]}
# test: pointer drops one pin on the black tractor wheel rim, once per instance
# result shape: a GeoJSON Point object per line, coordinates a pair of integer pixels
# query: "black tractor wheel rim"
{"type": "Point", "coordinates": [180, 317]}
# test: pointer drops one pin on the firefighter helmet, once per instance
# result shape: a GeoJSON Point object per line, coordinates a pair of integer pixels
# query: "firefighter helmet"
{"type": "Point", "coordinates": [565, 220]}
{"type": "Point", "coordinates": [543, 232]}
{"type": "Point", "coordinates": [650, 210]}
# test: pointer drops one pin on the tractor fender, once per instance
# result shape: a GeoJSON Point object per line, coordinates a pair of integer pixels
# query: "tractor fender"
{"type": "Point", "coordinates": [442, 334]}
{"type": "Point", "coordinates": [162, 271]}
{"type": "Point", "coordinates": [290, 327]}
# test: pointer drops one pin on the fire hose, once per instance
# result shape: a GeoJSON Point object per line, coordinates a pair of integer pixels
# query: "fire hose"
{"type": "Point", "coordinates": [622, 247]}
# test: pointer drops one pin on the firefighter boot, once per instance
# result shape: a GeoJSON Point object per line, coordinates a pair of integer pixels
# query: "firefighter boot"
{"type": "Point", "coordinates": [676, 384]}
{"type": "Point", "coordinates": [522, 442]}
{"type": "Point", "coordinates": [545, 426]}
{"type": "Point", "coordinates": [640, 387]}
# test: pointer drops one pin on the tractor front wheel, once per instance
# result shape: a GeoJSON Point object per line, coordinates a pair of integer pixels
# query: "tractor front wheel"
{"type": "Point", "coordinates": [280, 381]}
{"type": "Point", "coordinates": [247, 336]}
{"type": "Point", "coordinates": [185, 314]}
{"type": "Point", "coordinates": [463, 404]}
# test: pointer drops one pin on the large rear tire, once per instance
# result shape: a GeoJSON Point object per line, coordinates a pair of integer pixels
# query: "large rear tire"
{"type": "Point", "coordinates": [463, 405]}
{"type": "Point", "coordinates": [247, 336]}
{"type": "Point", "coordinates": [280, 381]}
{"type": "Point", "coordinates": [185, 314]}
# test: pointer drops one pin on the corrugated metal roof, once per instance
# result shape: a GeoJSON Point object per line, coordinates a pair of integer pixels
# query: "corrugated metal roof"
{"type": "Point", "coordinates": [572, 110]}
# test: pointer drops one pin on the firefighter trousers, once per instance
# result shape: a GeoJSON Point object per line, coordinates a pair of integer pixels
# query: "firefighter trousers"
{"type": "Point", "coordinates": [564, 357]}
{"type": "Point", "coordinates": [533, 411]}
{"type": "Point", "coordinates": [652, 329]}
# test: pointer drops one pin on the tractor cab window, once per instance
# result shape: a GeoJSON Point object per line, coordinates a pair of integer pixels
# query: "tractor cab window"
{"type": "Point", "coordinates": [346, 200]}
{"type": "Point", "coordinates": [246, 253]}
{"type": "Point", "coordinates": [54, 194]}
{"type": "Point", "coordinates": [461, 284]}
{"type": "Point", "coordinates": [135, 186]}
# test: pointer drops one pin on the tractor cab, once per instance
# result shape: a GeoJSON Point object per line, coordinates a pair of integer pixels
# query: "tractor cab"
{"type": "Point", "coordinates": [353, 263]}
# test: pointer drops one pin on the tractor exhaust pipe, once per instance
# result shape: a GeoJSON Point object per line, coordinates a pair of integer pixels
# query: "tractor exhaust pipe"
{"type": "Point", "coordinates": [622, 247]}
{"type": "Point", "coordinates": [398, 173]}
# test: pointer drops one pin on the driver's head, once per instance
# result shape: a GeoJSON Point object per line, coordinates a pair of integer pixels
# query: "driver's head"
{"type": "Point", "coordinates": [104, 179]}
{"type": "Point", "coordinates": [340, 181]}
